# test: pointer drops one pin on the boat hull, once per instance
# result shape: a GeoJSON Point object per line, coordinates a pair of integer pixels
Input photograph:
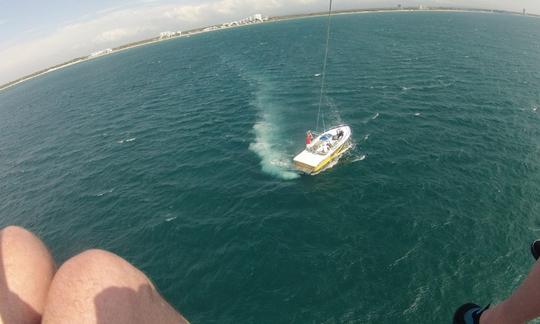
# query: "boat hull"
{"type": "Point", "coordinates": [344, 147]}
{"type": "Point", "coordinates": [314, 159]}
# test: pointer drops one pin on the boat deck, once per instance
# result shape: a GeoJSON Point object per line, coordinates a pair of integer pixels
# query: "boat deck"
{"type": "Point", "coordinates": [323, 149]}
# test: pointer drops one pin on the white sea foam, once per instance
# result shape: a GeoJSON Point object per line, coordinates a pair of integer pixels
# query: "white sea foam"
{"type": "Point", "coordinates": [375, 116]}
{"type": "Point", "coordinates": [359, 158]}
{"type": "Point", "coordinates": [273, 160]}
{"type": "Point", "coordinates": [268, 144]}
{"type": "Point", "coordinates": [417, 114]}
{"type": "Point", "coordinates": [318, 74]}
{"type": "Point", "coordinates": [127, 140]}
{"type": "Point", "coordinates": [104, 192]}
{"type": "Point", "coordinates": [170, 219]}
{"type": "Point", "coordinates": [534, 108]}
{"type": "Point", "coordinates": [418, 300]}
{"type": "Point", "coordinates": [366, 137]}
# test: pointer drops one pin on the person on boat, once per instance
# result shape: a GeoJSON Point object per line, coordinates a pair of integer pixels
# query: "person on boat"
{"type": "Point", "coordinates": [522, 306]}
{"type": "Point", "coordinates": [309, 138]}
{"type": "Point", "coordinates": [338, 135]}
{"type": "Point", "coordinates": [326, 147]}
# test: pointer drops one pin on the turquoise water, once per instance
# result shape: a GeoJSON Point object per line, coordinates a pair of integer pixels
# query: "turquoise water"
{"type": "Point", "coordinates": [177, 157]}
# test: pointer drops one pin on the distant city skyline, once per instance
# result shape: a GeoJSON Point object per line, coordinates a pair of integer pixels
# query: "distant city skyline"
{"type": "Point", "coordinates": [35, 34]}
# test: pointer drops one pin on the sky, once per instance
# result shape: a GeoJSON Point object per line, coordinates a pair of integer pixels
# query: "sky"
{"type": "Point", "coordinates": [36, 34]}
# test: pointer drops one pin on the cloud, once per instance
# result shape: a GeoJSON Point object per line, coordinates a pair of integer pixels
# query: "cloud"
{"type": "Point", "coordinates": [112, 35]}
{"type": "Point", "coordinates": [117, 26]}
{"type": "Point", "coordinates": [116, 34]}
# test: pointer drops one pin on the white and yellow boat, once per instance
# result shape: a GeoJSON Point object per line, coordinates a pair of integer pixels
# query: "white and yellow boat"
{"type": "Point", "coordinates": [324, 149]}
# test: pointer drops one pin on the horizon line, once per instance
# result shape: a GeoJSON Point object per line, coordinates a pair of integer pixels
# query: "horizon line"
{"type": "Point", "coordinates": [203, 29]}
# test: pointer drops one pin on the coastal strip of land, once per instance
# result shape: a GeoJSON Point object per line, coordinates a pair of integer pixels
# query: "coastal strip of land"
{"type": "Point", "coordinates": [172, 35]}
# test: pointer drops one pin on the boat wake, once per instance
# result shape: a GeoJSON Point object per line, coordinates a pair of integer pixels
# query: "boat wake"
{"type": "Point", "coordinates": [371, 118]}
{"type": "Point", "coordinates": [268, 143]}
{"type": "Point", "coordinates": [358, 158]}
{"type": "Point", "coordinates": [273, 161]}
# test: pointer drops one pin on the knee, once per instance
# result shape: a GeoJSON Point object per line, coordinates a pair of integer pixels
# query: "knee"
{"type": "Point", "coordinates": [26, 271]}
{"type": "Point", "coordinates": [98, 266]}
{"type": "Point", "coordinates": [81, 279]}
{"type": "Point", "coordinates": [14, 228]}
{"type": "Point", "coordinates": [23, 253]}
{"type": "Point", "coordinates": [88, 263]}
{"type": "Point", "coordinates": [19, 238]}
{"type": "Point", "coordinates": [18, 233]}
{"type": "Point", "coordinates": [88, 273]}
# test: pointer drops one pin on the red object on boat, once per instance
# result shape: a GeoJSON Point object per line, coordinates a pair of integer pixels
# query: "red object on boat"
{"type": "Point", "coordinates": [308, 138]}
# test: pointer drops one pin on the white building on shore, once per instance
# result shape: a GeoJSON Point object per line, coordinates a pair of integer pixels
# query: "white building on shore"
{"type": "Point", "coordinates": [166, 34]}
{"type": "Point", "coordinates": [102, 52]}
{"type": "Point", "coordinates": [256, 18]}
{"type": "Point", "coordinates": [169, 34]}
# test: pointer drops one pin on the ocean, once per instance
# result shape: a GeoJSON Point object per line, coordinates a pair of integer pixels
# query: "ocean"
{"type": "Point", "coordinates": [177, 156]}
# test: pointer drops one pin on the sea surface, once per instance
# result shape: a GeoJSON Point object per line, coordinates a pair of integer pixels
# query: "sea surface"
{"type": "Point", "coordinates": [177, 156]}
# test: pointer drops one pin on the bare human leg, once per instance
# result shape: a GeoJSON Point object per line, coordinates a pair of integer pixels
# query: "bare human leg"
{"type": "Point", "coordinates": [26, 271]}
{"type": "Point", "coordinates": [100, 287]}
{"type": "Point", "coordinates": [522, 306]}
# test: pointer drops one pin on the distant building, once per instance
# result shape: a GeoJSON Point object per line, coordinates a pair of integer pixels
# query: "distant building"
{"type": "Point", "coordinates": [524, 11]}
{"type": "Point", "coordinates": [166, 34]}
{"type": "Point", "coordinates": [421, 7]}
{"type": "Point", "coordinates": [256, 18]}
{"type": "Point", "coordinates": [102, 52]}
{"type": "Point", "coordinates": [399, 6]}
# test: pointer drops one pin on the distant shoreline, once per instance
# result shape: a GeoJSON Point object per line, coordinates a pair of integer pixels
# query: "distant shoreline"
{"type": "Point", "coordinates": [212, 28]}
